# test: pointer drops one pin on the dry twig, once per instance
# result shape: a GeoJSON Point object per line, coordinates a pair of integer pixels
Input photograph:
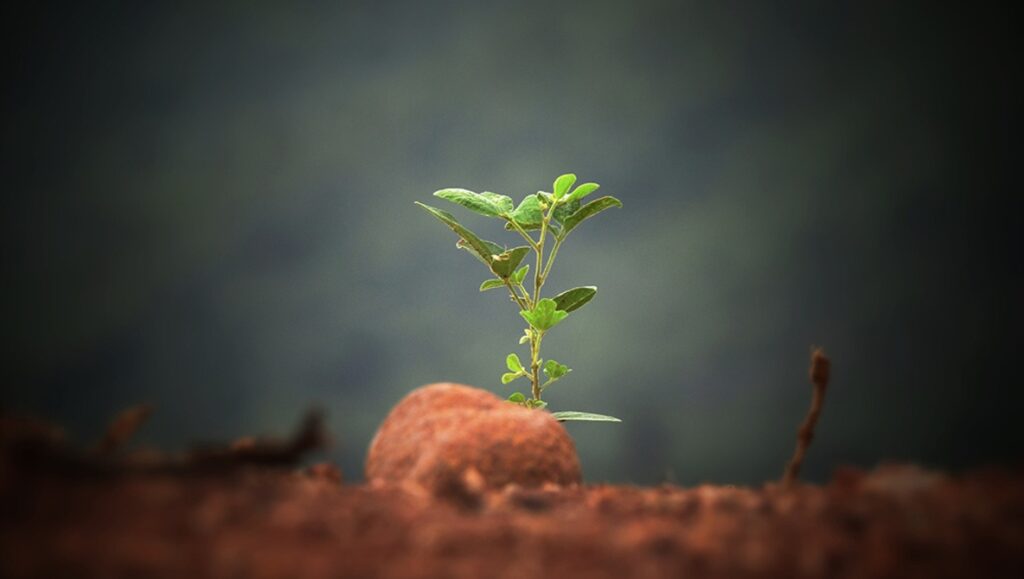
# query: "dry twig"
{"type": "Point", "coordinates": [310, 436]}
{"type": "Point", "coordinates": [34, 445]}
{"type": "Point", "coordinates": [123, 427]}
{"type": "Point", "coordinates": [819, 373]}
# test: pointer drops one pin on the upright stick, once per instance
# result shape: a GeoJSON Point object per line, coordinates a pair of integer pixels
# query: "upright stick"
{"type": "Point", "coordinates": [819, 372]}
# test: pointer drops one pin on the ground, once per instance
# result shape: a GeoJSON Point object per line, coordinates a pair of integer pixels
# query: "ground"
{"type": "Point", "coordinates": [272, 521]}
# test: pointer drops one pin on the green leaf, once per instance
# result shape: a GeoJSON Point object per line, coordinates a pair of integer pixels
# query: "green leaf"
{"type": "Point", "coordinates": [582, 191]}
{"type": "Point", "coordinates": [525, 337]}
{"type": "Point", "coordinates": [513, 363]}
{"type": "Point", "coordinates": [572, 415]}
{"type": "Point", "coordinates": [529, 214]}
{"type": "Point", "coordinates": [565, 209]}
{"type": "Point", "coordinates": [483, 250]}
{"type": "Point", "coordinates": [506, 262]}
{"type": "Point", "coordinates": [470, 200]}
{"type": "Point", "coordinates": [520, 274]}
{"type": "Point", "coordinates": [504, 203]}
{"type": "Point", "coordinates": [492, 248]}
{"type": "Point", "coordinates": [574, 299]}
{"type": "Point", "coordinates": [544, 315]}
{"type": "Point", "coordinates": [562, 184]}
{"type": "Point", "coordinates": [587, 211]}
{"type": "Point", "coordinates": [510, 376]}
{"type": "Point", "coordinates": [534, 403]}
{"type": "Point", "coordinates": [491, 284]}
{"type": "Point", "coordinates": [518, 398]}
{"type": "Point", "coordinates": [554, 370]}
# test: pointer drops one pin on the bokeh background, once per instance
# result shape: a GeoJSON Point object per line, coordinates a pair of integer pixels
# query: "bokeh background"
{"type": "Point", "coordinates": [210, 208]}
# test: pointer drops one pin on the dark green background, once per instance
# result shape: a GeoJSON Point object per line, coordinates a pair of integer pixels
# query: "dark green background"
{"type": "Point", "coordinates": [211, 209]}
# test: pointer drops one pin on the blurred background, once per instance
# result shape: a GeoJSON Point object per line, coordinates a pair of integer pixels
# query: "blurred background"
{"type": "Point", "coordinates": [210, 208]}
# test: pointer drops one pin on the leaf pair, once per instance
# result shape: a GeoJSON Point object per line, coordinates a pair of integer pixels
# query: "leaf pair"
{"type": "Point", "coordinates": [515, 368]}
{"type": "Point", "coordinates": [521, 399]}
{"type": "Point", "coordinates": [516, 278]}
{"type": "Point", "coordinates": [562, 184]}
{"type": "Point", "coordinates": [554, 370]}
{"type": "Point", "coordinates": [529, 214]}
{"type": "Point", "coordinates": [544, 315]}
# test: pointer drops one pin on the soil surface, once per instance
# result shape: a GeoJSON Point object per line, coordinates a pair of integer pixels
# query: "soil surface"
{"type": "Point", "coordinates": [245, 510]}
{"type": "Point", "coordinates": [259, 521]}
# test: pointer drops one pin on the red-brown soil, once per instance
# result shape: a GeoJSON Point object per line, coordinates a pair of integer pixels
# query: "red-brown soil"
{"type": "Point", "coordinates": [263, 522]}
{"type": "Point", "coordinates": [243, 510]}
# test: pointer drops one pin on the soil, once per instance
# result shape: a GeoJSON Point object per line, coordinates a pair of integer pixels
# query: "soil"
{"type": "Point", "coordinates": [242, 510]}
{"type": "Point", "coordinates": [444, 434]}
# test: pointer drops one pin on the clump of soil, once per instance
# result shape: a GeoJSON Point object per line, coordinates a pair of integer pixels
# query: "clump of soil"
{"type": "Point", "coordinates": [449, 434]}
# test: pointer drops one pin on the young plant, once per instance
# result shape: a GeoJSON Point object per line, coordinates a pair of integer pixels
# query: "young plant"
{"type": "Point", "coordinates": [553, 216]}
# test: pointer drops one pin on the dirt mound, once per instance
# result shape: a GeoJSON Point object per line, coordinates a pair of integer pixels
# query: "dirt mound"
{"type": "Point", "coordinates": [445, 433]}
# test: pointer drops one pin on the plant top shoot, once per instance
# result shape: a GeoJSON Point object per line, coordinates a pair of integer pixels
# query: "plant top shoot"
{"type": "Point", "coordinates": [553, 216]}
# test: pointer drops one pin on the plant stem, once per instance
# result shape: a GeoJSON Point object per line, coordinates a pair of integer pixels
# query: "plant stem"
{"type": "Point", "coordinates": [515, 295]}
{"type": "Point", "coordinates": [535, 364]}
{"type": "Point", "coordinates": [539, 277]}
{"type": "Point", "coordinates": [538, 281]}
{"type": "Point", "coordinates": [551, 258]}
{"type": "Point", "coordinates": [526, 236]}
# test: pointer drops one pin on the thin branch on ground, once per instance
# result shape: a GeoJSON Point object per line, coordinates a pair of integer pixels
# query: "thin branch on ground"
{"type": "Point", "coordinates": [123, 427]}
{"type": "Point", "coordinates": [819, 374]}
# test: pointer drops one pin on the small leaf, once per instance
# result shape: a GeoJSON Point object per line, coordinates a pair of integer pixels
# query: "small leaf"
{"type": "Point", "coordinates": [517, 397]}
{"type": "Point", "coordinates": [582, 191]}
{"type": "Point", "coordinates": [470, 200]}
{"type": "Point", "coordinates": [544, 315]}
{"type": "Point", "coordinates": [576, 298]}
{"type": "Point", "coordinates": [520, 274]}
{"type": "Point", "coordinates": [534, 403]}
{"type": "Point", "coordinates": [572, 415]}
{"type": "Point", "coordinates": [506, 261]}
{"type": "Point", "coordinates": [504, 203]}
{"type": "Point", "coordinates": [587, 211]}
{"type": "Point", "coordinates": [513, 363]}
{"type": "Point", "coordinates": [529, 214]}
{"type": "Point", "coordinates": [554, 370]}
{"type": "Point", "coordinates": [491, 284]}
{"type": "Point", "coordinates": [524, 339]}
{"type": "Point", "coordinates": [562, 184]}
{"type": "Point", "coordinates": [483, 250]}
{"type": "Point", "coordinates": [509, 376]}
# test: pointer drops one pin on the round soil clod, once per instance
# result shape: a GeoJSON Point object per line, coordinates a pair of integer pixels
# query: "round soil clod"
{"type": "Point", "coordinates": [438, 432]}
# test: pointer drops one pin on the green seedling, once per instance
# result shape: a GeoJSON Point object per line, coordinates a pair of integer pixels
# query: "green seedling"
{"type": "Point", "coordinates": [553, 216]}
